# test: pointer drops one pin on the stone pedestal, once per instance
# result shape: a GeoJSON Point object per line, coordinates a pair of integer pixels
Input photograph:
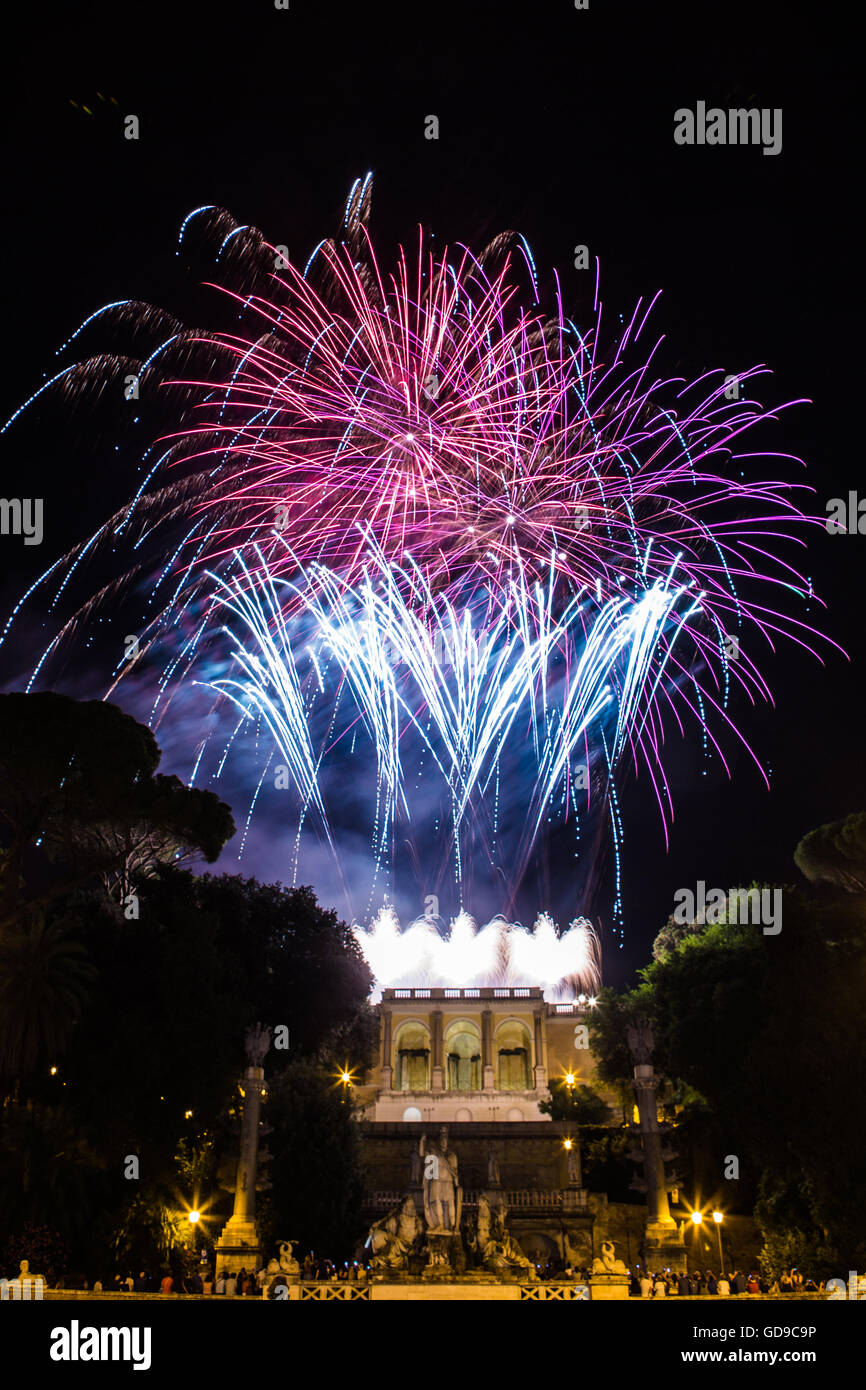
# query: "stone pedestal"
{"type": "Point", "coordinates": [238, 1246]}
{"type": "Point", "coordinates": [605, 1287]}
{"type": "Point", "coordinates": [664, 1247]}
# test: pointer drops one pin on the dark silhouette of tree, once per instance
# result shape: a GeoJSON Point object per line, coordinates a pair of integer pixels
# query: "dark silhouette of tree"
{"type": "Point", "coordinates": [80, 799]}
{"type": "Point", "coordinates": [835, 853]}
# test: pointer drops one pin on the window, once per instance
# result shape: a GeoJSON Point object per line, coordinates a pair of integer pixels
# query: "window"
{"type": "Point", "coordinates": [463, 1056]}
{"type": "Point", "coordinates": [412, 1051]}
{"type": "Point", "coordinates": [513, 1056]}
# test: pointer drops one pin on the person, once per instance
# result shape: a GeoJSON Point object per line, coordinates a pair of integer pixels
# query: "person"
{"type": "Point", "coordinates": [694, 1285]}
{"type": "Point", "coordinates": [97, 1286]}
{"type": "Point", "coordinates": [231, 1285]}
{"type": "Point", "coordinates": [261, 1275]}
{"type": "Point", "coordinates": [207, 1284]}
{"type": "Point", "coordinates": [220, 1286]}
{"type": "Point", "coordinates": [646, 1285]}
{"type": "Point", "coordinates": [753, 1285]}
{"type": "Point", "coordinates": [659, 1288]}
{"type": "Point", "coordinates": [732, 1281]}
{"type": "Point", "coordinates": [712, 1285]}
{"type": "Point", "coordinates": [241, 1276]}
{"type": "Point", "coordinates": [742, 1282]}
{"type": "Point", "coordinates": [308, 1267]}
{"type": "Point", "coordinates": [785, 1284]}
{"type": "Point", "coordinates": [809, 1287]}
{"type": "Point", "coordinates": [362, 1274]}
{"type": "Point", "coordinates": [683, 1284]}
{"type": "Point", "coordinates": [167, 1284]}
{"type": "Point", "coordinates": [724, 1285]}
{"type": "Point", "coordinates": [197, 1285]}
{"type": "Point", "coordinates": [774, 1287]}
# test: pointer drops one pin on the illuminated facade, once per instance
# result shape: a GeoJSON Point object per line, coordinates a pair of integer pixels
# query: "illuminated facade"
{"type": "Point", "coordinates": [467, 1055]}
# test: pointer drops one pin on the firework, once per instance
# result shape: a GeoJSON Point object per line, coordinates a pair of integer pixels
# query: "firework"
{"type": "Point", "coordinates": [414, 520]}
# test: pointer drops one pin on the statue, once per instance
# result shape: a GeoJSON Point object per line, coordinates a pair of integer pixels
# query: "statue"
{"type": "Point", "coordinates": [25, 1285]}
{"type": "Point", "coordinates": [258, 1040]}
{"type": "Point", "coordinates": [494, 1178]}
{"type": "Point", "coordinates": [502, 1253]}
{"type": "Point", "coordinates": [286, 1264]}
{"type": "Point", "coordinates": [573, 1161]}
{"type": "Point", "coordinates": [393, 1238]}
{"type": "Point", "coordinates": [640, 1041]}
{"type": "Point", "coordinates": [414, 1167]}
{"type": "Point", "coordinates": [443, 1195]}
{"type": "Point", "coordinates": [608, 1263]}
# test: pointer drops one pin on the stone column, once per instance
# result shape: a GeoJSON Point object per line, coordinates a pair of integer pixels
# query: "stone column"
{"type": "Point", "coordinates": [663, 1241]}
{"type": "Point", "coordinates": [387, 1069]}
{"type": "Point", "coordinates": [488, 1074]}
{"type": "Point", "coordinates": [438, 1078]}
{"type": "Point", "coordinates": [540, 1069]}
{"type": "Point", "coordinates": [238, 1246]}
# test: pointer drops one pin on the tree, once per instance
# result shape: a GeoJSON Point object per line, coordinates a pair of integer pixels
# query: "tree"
{"type": "Point", "coordinates": [80, 798]}
{"type": "Point", "coordinates": [315, 1170]}
{"type": "Point", "coordinates": [836, 854]}
{"type": "Point", "coordinates": [44, 975]}
{"type": "Point", "coordinates": [766, 1032]}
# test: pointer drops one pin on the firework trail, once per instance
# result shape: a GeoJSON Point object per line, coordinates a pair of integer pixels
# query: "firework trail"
{"type": "Point", "coordinates": [411, 517]}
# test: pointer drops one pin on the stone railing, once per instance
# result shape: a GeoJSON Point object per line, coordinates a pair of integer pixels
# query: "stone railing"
{"type": "Point", "coordinates": [523, 1199]}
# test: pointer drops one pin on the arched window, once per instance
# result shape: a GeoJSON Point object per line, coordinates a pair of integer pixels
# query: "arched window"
{"type": "Point", "coordinates": [463, 1056]}
{"type": "Point", "coordinates": [513, 1055]}
{"type": "Point", "coordinates": [412, 1051]}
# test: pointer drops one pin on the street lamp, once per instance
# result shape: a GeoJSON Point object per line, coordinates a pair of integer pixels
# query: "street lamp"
{"type": "Point", "coordinates": [697, 1219]}
{"type": "Point", "coordinates": [719, 1217]}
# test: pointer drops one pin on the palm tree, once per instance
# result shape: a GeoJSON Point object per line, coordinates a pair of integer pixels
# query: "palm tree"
{"type": "Point", "coordinates": [43, 978]}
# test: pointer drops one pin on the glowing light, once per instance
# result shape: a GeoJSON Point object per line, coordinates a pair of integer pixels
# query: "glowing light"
{"type": "Point", "coordinates": [500, 953]}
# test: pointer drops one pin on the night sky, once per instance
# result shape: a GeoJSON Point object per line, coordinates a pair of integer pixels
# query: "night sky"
{"type": "Point", "coordinates": [554, 122]}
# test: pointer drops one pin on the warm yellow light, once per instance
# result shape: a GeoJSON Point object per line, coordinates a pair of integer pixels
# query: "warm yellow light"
{"type": "Point", "coordinates": [568, 1144]}
{"type": "Point", "coordinates": [718, 1217]}
{"type": "Point", "coordinates": [697, 1217]}
{"type": "Point", "coordinates": [53, 1071]}
{"type": "Point", "coordinates": [345, 1078]}
{"type": "Point", "coordinates": [187, 1114]}
{"type": "Point", "coordinates": [194, 1216]}
{"type": "Point", "coordinates": [569, 1078]}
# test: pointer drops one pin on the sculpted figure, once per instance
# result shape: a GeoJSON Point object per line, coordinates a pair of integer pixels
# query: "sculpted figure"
{"type": "Point", "coordinates": [258, 1040]}
{"type": "Point", "coordinates": [392, 1239]}
{"type": "Point", "coordinates": [608, 1263]}
{"type": "Point", "coordinates": [443, 1195]}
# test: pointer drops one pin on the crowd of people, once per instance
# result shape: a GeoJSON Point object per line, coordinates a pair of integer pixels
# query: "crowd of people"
{"type": "Point", "coordinates": [669, 1284]}
{"type": "Point", "coordinates": [642, 1284]}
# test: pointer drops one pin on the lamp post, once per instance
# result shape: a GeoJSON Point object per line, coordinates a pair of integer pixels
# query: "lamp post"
{"type": "Point", "coordinates": [697, 1218]}
{"type": "Point", "coordinates": [719, 1217]}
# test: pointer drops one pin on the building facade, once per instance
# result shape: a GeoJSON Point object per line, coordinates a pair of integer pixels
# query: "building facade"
{"type": "Point", "coordinates": [481, 1061]}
